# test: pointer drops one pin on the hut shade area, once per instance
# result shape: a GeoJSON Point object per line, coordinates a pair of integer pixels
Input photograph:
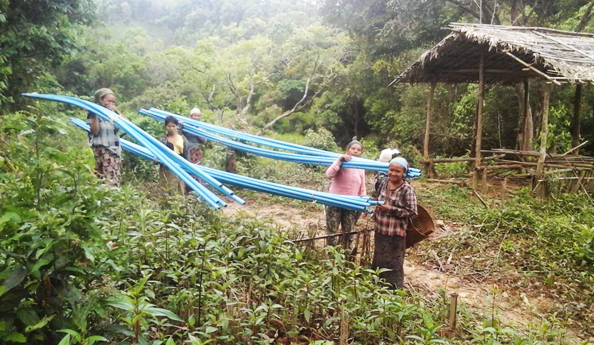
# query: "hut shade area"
{"type": "Point", "coordinates": [508, 55]}
{"type": "Point", "coordinates": [556, 55]}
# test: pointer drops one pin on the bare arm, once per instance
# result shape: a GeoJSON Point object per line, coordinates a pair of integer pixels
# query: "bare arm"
{"type": "Point", "coordinates": [95, 127]}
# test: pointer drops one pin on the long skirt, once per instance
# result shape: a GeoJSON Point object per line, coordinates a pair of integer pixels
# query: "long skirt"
{"type": "Point", "coordinates": [107, 165]}
{"type": "Point", "coordinates": [344, 219]}
{"type": "Point", "coordinates": [169, 183]}
{"type": "Point", "coordinates": [196, 158]}
{"type": "Point", "coordinates": [389, 253]}
{"type": "Point", "coordinates": [196, 155]}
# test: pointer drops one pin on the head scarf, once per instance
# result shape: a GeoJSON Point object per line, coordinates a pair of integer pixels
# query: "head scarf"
{"type": "Point", "coordinates": [99, 94]}
{"type": "Point", "coordinates": [388, 154]}
{"type": "Point", "coordinates": [195, 111]}
{"type": "Point", "coordinates": [353, 143]}
{"type": "Point", "coordinates": [400, 161]}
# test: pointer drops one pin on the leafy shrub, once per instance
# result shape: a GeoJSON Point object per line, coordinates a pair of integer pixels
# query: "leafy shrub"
{"type": "Point", "coordinates": [48, 236]}
{"type": "Point", "coordinates": [321, 139]}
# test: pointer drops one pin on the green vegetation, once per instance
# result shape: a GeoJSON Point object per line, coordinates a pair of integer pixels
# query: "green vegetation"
{"type": "Point", "coordinates": [81, 263]}
{"type": "Point", "coordinates": [550, 243]}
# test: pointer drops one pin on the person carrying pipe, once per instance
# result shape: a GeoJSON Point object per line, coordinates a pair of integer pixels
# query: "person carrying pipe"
{"type": "Point", "coordinates": [168, 181]}
{"type": "Point", "coordinates": [391, 222]}
{"type": "Point", "coordinates": [194, 143]}
{"type": "Point", "coordinates": [344, 181]}
{"type": "Point", "coordinates": [104, 140]}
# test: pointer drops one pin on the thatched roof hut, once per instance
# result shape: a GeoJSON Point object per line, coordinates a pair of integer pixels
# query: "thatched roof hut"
{"type": "Point", "coordinates": [511, 53]}
{"type": "Point", "coordinates": [490, 54]}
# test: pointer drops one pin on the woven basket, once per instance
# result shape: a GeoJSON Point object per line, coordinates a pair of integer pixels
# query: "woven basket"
{"type": "Point", "coordinates": [419, 227]}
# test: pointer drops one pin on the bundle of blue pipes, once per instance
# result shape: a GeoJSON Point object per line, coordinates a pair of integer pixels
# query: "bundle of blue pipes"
{"type": "Point", "coordinates": [355, 203]}
{"type": "Point", "coordinates": [179, 166]}
{"type": "Point", "coordinates": [307, 155]}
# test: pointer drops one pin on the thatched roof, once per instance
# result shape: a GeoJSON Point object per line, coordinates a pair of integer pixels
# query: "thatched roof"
{"type": "Point", "coordinates": [559, 56]}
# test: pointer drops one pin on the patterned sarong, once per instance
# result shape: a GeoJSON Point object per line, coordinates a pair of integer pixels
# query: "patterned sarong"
{"type": "Point", "coordinates": [107, 165]}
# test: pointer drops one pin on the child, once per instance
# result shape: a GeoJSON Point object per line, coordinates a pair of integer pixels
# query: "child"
{"type": "Point", "coordinates": [391, 221]}
{"type": "Point", "coordinates": [345, 181]}
{"type": "Point", "coordinates": [168, 182]}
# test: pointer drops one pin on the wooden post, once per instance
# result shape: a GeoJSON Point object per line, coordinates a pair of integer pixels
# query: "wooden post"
{"type": "Point", "coordinates": [544, 130]}
{"type": "Point", "coordinates": [453, 315]}
{"type": "Point", "coordinates": [479, 124]}
{"type": "Point", "coordinates": [525, 136]}
{"type": "Point", "coordinates": [428, 168]}
{"type": "Point", "coordinates": [484, 185]}
{"type": "Point", "coordinates": [575, 123]}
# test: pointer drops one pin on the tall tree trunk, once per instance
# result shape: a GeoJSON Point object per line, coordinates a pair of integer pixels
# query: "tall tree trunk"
{"type": "Point", "coordinates": [473, 147]}
{"type": "Point", "coordinates": [357, 120]}
{"type": "Point", "coordinates": [526, 123]}
{"type": "Point", "coordinates": [585, 18]}
{"type": "Point", "coordinates": [575, 123]}
{"type": "Point", "coordinates": [513, 12]}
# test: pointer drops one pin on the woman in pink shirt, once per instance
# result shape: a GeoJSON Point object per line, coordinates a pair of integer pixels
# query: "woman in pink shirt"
{"type": "Point", "coordinates": [345, 181]}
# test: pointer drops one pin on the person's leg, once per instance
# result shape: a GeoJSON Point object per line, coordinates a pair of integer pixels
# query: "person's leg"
{"type": "Point", "coordinates": [196, 158]}
{"type": "Point", "coordinates": [107, 165]}
{"type": "Point", "coordinates": [399, 247]}
{"type": "Point", "coordinates": [389, 253]}
{"type": "Point", "coordinates": [348, 220]}
{"type": "Point", "coordinates": [196, 155]}
{"type": "Point", "coordinates": [98, 152]}
{"type": "Point", "coordinates": [111, 168]}
{"type": "Point", "coordinates": [332, 224]}
{"type": "Point", "coordinates": [379, 251]}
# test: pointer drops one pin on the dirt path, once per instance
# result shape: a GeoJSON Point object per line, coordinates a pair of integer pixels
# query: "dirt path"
{"type": "Point", "coordinates": [428, 278]}
{"type": "Point", "coordinates": [435, 278]}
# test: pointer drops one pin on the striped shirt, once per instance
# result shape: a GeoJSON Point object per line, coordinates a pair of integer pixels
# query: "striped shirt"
{"type": "Point", "coordinates": [107, 136]}
{"type": "Point", "coordinates": [403, 205]}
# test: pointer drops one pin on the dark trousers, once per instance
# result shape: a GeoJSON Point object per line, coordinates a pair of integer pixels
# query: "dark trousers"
{"type": "Point", "coordinates": [389, 253]}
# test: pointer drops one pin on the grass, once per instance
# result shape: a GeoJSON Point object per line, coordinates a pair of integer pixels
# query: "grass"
{"type": "Point", "coordinates": [551, 245]}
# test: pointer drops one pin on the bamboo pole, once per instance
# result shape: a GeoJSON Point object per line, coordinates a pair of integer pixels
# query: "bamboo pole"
{"type": "Point", "coordinates": [544, 130]}
{"type": "Point", "coordinates": [479, 123]}
{"type": "Point", "coordinates": [532, 68]}
{"type": "Point", "coordinates": [575, 124]}
{"type": "Point", "coordinates": [526, 101]}
{"type": "Point", "coordinates": [428, 169]}
{"type": "Point", "coordinates": [461, 159]}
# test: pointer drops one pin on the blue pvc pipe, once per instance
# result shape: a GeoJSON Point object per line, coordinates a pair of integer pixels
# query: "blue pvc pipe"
{"type": "Point", "coordinates": [161, 154]}
{"type": "Point", "coordinates": [256, 139]}
{"type": "Point", "coordinates": [349, 202]}
{"type": "Point", "coordinates": [291, 157]}
{"type": "Point", "coordinates": [195, 170]}
{"type": "Point", "coordinates": [192, 127]}
{"type": "Point", "coordinates": [108, 115]}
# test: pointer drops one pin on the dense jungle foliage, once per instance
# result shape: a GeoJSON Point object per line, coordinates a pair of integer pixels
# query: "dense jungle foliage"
{"type": "Point", "coordinates": [305, 64]}
{"type": "Point", "coordinates": [82, 263]}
